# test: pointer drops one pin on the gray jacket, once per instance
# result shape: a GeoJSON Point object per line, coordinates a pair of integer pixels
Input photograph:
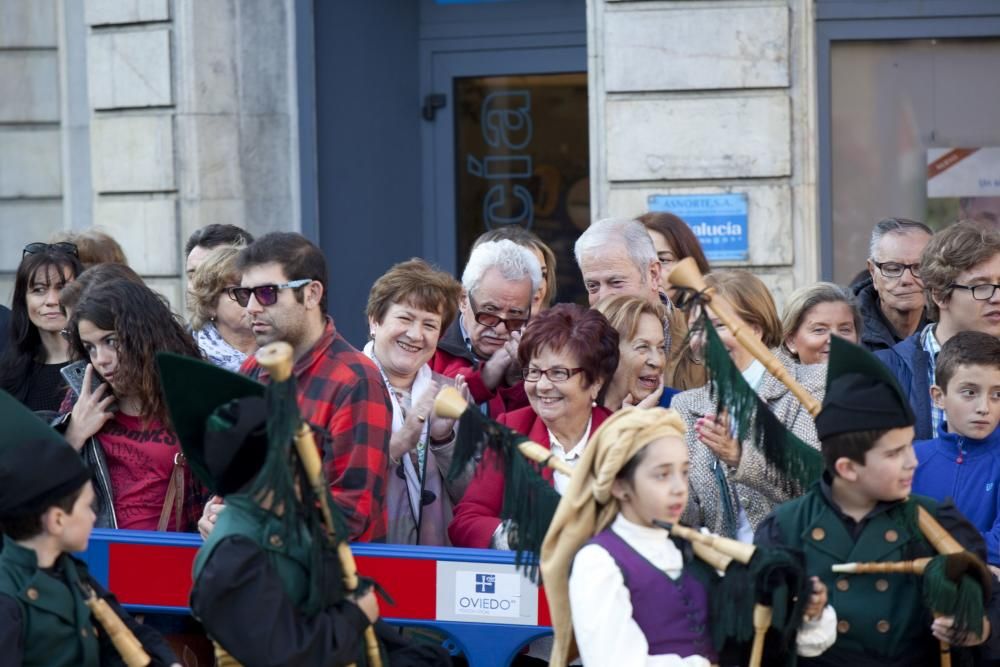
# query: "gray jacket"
{"type": "Point", "coordinates": [749, 484]}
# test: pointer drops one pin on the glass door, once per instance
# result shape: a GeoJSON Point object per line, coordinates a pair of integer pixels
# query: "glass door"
{"type": "Point", "coordinates": [509, 147]}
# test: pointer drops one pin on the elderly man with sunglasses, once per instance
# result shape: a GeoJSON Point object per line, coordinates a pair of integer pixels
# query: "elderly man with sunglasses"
{"type": "Point", "coordinates": [340, 391]}
{"type": "Point", "coordinates": [498, 283]}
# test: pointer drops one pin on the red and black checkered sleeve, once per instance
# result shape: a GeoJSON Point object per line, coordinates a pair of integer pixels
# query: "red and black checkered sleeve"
{"type": "Point", "coordinates": [359, 423]}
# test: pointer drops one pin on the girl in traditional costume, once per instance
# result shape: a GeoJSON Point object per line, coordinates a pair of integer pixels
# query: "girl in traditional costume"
{"type": "Point", "coordinates": [621, 590]}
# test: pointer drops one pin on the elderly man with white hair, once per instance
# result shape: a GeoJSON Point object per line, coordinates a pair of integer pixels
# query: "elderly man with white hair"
{"type": "Point", "coordinates": [498, 283]}
{"type": "Point", "coordinates": [617, 256]}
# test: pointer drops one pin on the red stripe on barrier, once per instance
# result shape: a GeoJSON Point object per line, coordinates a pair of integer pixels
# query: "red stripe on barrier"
{"type": "Point", "coordinates": [150, 575]}
{"type": "Point", "coordinates": [543, 608]}
{"type": "Point", "coordinates": [411, 582]}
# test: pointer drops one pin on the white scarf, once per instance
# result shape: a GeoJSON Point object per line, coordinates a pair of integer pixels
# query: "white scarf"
{"type": "Point", "coordinates": [420, 384]}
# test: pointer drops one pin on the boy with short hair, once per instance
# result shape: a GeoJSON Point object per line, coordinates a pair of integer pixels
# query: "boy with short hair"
{"type": "Point", "coordinates": [46, 513]}
{"type": "Point", "coordinates": [963, 462]}
{"type": "Point", "coordinates": [862, 510]}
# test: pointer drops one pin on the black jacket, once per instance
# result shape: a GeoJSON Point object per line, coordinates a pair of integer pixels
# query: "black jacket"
{"type": "Point", "coordinates": [877, 334]}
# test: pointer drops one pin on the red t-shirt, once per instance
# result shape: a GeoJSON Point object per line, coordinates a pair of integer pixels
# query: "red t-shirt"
{"type": "Point", "coordinates": [140, 460]}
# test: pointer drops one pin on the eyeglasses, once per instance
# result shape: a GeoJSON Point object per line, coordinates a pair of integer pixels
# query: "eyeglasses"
{"type": "Point", "coordinates": [554, 374]}
{"type": "Point", "coordinates": [895, 269]}
{"type": "Point", "coordinates": [982, 292]}
{"type": "Point", "coordinates": [266, 295]}
{"type": "Point", "coordinates": [63, 246]}
{"type": "Point", "coordinates": [493, 321]}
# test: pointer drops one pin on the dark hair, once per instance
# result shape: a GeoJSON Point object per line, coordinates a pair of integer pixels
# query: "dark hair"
{"type": "Point", "coordinates": [679, 235]}
{"type": "Point", "coordinates": [99, 273]}
{"type": "Point", "coordinates": [854, 445]}
{"type": "Point", "coordinates": [25, 343]}
{"type": "Point", "coordinates": [25, 526]}
{"type": "Point", "coordinates": [582, 331]}
{"type": "Point", "coordinates": [145, 325]}
{"type": "Point", "coordinates": [417, 283]}
{"type": "Point", "coordinates": [529, 240]}
{"type": "Point", "coordinates": [212, 236]}
{"type": "Point", "coordinates": [295, 254]}
{"type": "Point", "coordinates": [966, 348]}
{"type": "Point", "coordinates": [627, 473]}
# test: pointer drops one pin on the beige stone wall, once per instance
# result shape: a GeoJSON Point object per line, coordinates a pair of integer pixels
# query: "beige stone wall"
{"type": "Point", "coordinates": [159, 116]}
{"type": "Point", "coordinates": [710, 97]}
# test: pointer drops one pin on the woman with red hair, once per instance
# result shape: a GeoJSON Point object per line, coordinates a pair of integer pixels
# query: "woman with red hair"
{"type": "Point", "coordinates": [567, 354]}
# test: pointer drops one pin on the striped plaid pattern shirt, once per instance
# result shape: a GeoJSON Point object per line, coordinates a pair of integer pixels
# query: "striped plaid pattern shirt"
{"type": "Point", "coordinates": [932, 347]}
{"type": "Point", "coordinates": [341, 392]}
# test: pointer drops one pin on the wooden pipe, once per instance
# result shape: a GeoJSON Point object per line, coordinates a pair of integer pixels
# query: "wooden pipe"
{"type": "Point", "coordinates": [761, 622]}
{"type": "Point", "coordinates": [450, 404]}
{"type": "Point", "coordinates": [686, 274]}
{"type": "Point", "coordinates": [125, 642]}
{"type": "Point", "coordinates": [276, 359]}
{"type": "Point", "coordinates": [738, 551]}
{"type": "Point", "coordinates": [916, 566]}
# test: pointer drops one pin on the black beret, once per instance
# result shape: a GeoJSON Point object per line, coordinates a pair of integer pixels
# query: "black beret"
{"type": "Point", "coordinates": [861, 394]}
{"type": "Point", "coordinates": [236, 443]}
{"type": "Point", "coordinates": [37, 466]}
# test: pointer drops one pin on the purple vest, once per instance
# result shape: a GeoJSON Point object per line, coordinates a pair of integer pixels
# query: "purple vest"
{"type": "Point", "coordinates": [672, 614]}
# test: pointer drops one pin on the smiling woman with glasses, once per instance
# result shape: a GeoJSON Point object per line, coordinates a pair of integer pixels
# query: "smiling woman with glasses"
{"type": "Point", "coordinates": [31, 365]}
{"type": "Point", "coordinates": [567, 354]}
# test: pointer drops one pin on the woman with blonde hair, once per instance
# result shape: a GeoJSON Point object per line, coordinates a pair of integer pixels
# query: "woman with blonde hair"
{"type": "Point", "coordinates": [638, 379]}
{"type": "Point", "coordinates": [812, 315]}
{"type": "Point", "coordinates": [220, 326]}
{"type": "Point", "coordinates": [732, 489]}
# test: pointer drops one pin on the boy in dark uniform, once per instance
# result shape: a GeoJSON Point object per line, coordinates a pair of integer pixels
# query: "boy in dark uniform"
{"type": "Point", "coordinates": [862, 510]}
{"type": "Point", "coordinates": [46, 512]}
{"type": "Point", "coordinates": [267, 584]}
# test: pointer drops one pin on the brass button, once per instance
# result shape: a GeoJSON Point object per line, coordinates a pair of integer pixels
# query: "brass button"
{"type": "Point", "coordinates": [275, 541]}
{"type": "Point", "coordinates": [32, 593]}
{"type": "Point", "coordinates": [843, 627]}
{"type": "Point", "coordinates": [882, 626]}
{"type": "Point", "coordinates": [882, 585]}
{"type": "Point", "coordinates": [843, 584]}
{"type": "Point", "coordinates": [891, 535]}
{"type": "Point", "coordinates": [818, 534]}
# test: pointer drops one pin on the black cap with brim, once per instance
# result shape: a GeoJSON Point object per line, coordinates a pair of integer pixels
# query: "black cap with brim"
{"type": "Point", "coordinates": [37, 466]}
{"type": "Point", "coordinates": [194, 390]}
{"type": "Point", "coordinates": [861, 394]}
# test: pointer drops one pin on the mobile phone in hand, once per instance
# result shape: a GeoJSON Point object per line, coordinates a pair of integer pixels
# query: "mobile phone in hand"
{"type": "Point", "coordinates": [74, 374]}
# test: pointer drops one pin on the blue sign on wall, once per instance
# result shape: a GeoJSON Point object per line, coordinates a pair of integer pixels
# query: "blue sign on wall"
{"type": "Point", "coordinates": [719, 222]}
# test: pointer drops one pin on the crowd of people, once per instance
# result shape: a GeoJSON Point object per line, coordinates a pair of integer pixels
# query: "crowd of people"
{"type": "Point", "coordinates": [84, 331]}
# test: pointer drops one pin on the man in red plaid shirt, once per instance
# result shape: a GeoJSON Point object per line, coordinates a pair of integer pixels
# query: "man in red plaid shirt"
{"type": "Point", "coordinates": [340, 390]}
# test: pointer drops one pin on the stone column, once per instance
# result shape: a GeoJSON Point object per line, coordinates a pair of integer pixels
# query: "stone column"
{"type": "Point", "coordinates": [710, 97]}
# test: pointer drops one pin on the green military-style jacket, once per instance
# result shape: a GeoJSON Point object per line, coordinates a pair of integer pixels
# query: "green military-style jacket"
{"type": "Point", "coordinates": [57, 628]}
{"type": "Point", "coordinates": [881, 614]}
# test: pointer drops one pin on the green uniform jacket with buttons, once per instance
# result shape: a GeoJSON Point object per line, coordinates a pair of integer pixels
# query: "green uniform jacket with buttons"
{"type": "Point", "coordinates": [45, 621]}
{"type": "Point", "coordinates": [881, 618]}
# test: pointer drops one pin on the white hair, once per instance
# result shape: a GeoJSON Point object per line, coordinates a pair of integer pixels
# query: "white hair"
{"type": "Point", "coordinates": [514, 262]}
{"type": "Point", "coordinates": [605, 233]}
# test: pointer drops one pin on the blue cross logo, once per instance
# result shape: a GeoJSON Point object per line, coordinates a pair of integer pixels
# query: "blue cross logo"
{"type": "Point", "coordinates": [486, 583]}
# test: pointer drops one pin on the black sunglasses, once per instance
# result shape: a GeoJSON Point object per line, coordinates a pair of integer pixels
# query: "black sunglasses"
{"type": "Point", "coordinates": [266, 295]}
{"type": "Point", "coordinates": [63, 246]}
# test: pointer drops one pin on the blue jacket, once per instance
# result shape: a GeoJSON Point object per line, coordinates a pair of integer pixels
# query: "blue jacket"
{"type": "Point", "coordinates": [953, 466]}
{"type": "Point", "coordinates": [908, 361]}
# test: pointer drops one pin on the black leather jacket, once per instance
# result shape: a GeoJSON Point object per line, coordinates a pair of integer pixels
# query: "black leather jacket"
{"type": "Point", "coordinates": [93, 456]}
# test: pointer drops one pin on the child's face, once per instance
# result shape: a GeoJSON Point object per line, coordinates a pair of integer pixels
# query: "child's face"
{"type": "Point", "coordinates": [76, 525]}
{"type": "Point", "coordinates": [971, 400]}
{"type": "Point", "coordinates": [659, 489]}
{"type": "Point", "coordinates": [887, 473]}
